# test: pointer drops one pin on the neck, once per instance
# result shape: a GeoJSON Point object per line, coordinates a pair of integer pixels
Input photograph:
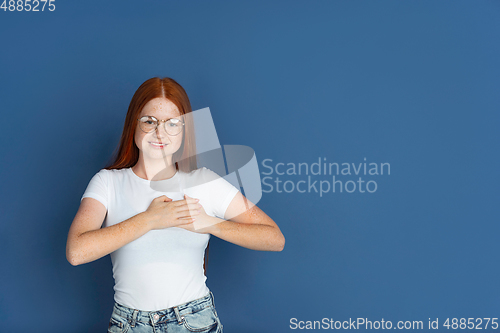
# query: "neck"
{"type": "Point", "coordinates": [154, 171]}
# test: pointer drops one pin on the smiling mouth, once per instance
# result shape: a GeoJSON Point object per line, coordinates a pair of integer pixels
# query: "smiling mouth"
{"type": "Point", "coordinates": [159, 145]}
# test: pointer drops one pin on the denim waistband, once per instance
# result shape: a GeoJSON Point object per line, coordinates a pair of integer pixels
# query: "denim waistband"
{"type": "Point", "coordinates": [170, 314]}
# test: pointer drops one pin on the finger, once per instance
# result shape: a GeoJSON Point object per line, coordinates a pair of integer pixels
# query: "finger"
{"type": "Point", "coordinates": [180, 203]}
{"type": "Point", "coordinates": [186, 214]}
{"type": "Point", "coordinates": [188, 218]}
{"type": "Point", "coordinates": [164, 198]}
{"type": "Point", "coordinates": [189, 207]}
{"type": "Point", "coordinates": [186, 221]}
{"type": "Point", "coordinates": [192, 205]}
{"type": "Point", "coordinates": [188, 197]}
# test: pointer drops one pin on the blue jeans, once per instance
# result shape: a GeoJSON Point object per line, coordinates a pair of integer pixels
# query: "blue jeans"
{"type": "Point", "coordinates": [198, 315]}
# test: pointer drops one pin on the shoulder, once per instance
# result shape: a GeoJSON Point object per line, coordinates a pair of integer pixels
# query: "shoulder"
{"type": "Point", "coordinates": [112, 174]}
{"type": "Point", "coordinates": [103, 172]}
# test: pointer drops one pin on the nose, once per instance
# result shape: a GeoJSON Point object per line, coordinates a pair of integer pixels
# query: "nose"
{"type": "Point", "coordinates": [160, 131]}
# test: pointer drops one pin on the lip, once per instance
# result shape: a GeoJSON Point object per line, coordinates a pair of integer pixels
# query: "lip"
{"type": "Point", "coordinates": [164, 145]}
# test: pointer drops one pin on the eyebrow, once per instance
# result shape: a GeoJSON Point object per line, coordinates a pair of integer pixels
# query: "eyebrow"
{"type": "Point", "coordinates": [161, 119]}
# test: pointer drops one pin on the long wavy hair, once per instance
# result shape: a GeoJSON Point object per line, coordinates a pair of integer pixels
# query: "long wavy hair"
{"type": "Point", "coordinates": [126, 154]}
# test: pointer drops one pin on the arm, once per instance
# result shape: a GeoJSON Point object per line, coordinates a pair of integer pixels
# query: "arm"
{"type": "Point", "coordinates": [88, 242]}
{"type": "Point", "coordinates": [244, 224]}
{"type": "Point", "coordinates": [254, 236]}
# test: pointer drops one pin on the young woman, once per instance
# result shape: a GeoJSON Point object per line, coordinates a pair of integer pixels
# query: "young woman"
{"type": "Point", "coordinates": [139, 210]}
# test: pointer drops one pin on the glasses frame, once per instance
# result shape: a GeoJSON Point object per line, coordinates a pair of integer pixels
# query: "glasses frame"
{"type": "Point", "coordinates": [164, 125]}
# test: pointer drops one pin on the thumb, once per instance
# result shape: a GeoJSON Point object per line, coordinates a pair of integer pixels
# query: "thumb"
{"type": "Point", "coordinates": [165, 198]}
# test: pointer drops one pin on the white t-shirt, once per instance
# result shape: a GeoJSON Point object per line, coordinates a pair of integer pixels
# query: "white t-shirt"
{"type": "Point", "coordinates": [163, 268]}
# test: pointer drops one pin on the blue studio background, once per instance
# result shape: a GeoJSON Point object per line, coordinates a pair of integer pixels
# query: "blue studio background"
{"type": "Point", "coordinates": [410, 83]}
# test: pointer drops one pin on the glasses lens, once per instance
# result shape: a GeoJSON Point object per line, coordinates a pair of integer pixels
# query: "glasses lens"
{"type": "Point", "coordinates": [147, 124]}
{"type": "Point", "coordinates": [174, 126]}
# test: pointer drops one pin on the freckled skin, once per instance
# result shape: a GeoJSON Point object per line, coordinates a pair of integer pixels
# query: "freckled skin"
{"type": "Point", "coordinates": [157, 162]}
{"type": "Point", "coordinates": [255, 213]}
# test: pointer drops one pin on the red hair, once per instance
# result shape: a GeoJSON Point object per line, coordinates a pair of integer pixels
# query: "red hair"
{"type": "Point", "coordinates": [127, 154]}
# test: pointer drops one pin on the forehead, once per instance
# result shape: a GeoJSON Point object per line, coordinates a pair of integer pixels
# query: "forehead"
{"type": "Point", "coordinates": [160, 107]}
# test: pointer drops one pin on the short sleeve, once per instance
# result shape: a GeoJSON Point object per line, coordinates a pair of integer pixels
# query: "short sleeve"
{"type": "Point", "coordinates": [98, 188]}
{"type": "Point", "coordinates": [220, 190]}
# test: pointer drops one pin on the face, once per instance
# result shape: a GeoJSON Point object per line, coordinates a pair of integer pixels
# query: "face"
{"type": "Point", "coordinates": [162, 109]}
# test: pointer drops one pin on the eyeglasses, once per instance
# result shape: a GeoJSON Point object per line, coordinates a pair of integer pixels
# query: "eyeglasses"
{"type": "Point", "coordinates": [148, 124]}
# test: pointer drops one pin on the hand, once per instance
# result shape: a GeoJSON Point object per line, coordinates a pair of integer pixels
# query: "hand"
{"type": "Point", "coordinates": [165, 213]}
{"type": "Point", "coordinates": [202, 223]}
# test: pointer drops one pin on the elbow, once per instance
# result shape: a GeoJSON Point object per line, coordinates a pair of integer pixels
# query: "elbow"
{"type": "Point", "coordinates": [280, 244]}
{"type": "Point", "coordinates": [73, 263]}
{"type": "Point", "coordinates": [73, 258]}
